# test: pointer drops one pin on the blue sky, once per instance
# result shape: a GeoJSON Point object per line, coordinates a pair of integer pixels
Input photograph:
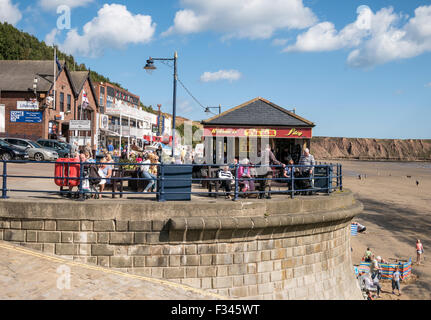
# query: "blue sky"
{"type": "Point", "coordinates": [354, 72]}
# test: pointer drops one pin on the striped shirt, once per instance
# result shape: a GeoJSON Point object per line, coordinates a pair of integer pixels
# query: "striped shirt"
{"type": "Point", "coordinates": [225, 174]}
{"type": "Point", "coordinates": [307, 161]}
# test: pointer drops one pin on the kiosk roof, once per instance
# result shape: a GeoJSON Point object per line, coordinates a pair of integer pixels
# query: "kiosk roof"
{"type": "Point", "coordinates": [258, 112]}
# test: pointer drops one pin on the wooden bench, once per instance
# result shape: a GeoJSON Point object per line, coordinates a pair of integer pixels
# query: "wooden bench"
{"type": "Point", "coordinates": [117, 185]}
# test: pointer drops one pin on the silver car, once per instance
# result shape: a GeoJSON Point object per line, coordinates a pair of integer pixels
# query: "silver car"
{"type": "Point", "coordinates": [35, 150]}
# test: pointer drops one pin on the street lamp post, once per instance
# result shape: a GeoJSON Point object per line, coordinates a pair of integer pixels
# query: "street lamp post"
{"type": "Point", "coordinates": [150, 67]}
{"type": "Point", "coordinates": [207, 109]}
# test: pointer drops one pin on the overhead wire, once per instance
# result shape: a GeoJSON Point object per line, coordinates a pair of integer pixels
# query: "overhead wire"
{"type": "Point", "coordinates": [188, 91]}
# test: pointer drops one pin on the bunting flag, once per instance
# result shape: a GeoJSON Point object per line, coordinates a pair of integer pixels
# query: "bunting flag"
{"type": "Point", "coordinates": [58, 63]}
{"type": "Point", "coordinates": [85, 102]}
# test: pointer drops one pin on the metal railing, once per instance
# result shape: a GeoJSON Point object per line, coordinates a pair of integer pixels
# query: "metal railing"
{"type": "Point", "coordinates": [174, 180]}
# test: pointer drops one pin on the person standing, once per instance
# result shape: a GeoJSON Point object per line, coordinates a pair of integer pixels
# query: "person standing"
{"type": "Point", "coordinates": [74, 150]}
{"type": "Point", "coordinates": [396, 276]}
{"type": "Point", "coordinates": [110, 147]}
{"type": "Point", "coordinates": [374, 268]}
{"type": "Point", "coordinates": [419, 251]}
{"type": "Point", "coordinates": [268, 159]}
{"type": "Point", "coordinates": [367, 255]}
{"type": "Point", "coordinates": [376, 283]}
{"type": "Point", "coordinates": [88, 149]}
{"type": "Point", "coordinates": [307, 160]}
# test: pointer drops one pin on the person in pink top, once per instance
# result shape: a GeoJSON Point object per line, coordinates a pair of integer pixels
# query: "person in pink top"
{"type": "Point", "coordinates": [244, 172]}
{"type": "Point", "coordinates": [419, 251]}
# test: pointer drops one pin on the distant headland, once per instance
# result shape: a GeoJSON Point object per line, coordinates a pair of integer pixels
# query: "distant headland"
{"type": "Point", "coordinates": [324, 148]}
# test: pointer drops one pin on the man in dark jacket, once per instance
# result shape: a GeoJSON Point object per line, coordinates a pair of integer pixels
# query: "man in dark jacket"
{"type": "Point", "coordinates": [267, 159]}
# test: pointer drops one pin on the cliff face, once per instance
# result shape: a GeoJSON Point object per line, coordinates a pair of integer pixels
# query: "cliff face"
{"type": "Point", "coordinates": [371, 149]}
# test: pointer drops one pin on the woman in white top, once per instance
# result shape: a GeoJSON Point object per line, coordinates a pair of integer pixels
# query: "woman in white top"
{"type": "Point", "coordinates": [145, 173]}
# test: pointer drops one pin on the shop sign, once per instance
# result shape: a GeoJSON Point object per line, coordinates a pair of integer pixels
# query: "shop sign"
{"type": "Point", "coordinates": [84, 125]}
{"type": "Point", "coordinates": [104, 122]}
{"type": "Point", "coordinates": [260, 133]}
{"type": "Point", "coordinates": [27, 105]}
{"type": "Point", "coordinates": [25, 117]}
{"type": "Point", "coordinates": [293, 133]}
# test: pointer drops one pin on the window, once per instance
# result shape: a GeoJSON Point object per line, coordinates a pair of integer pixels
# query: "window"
{"type": "Point", "coordinates": [102, 96]}
{"type": "Point", "coordinates": [61, 102]}
{"type": "Point", "coordinates": [54, 105]}
{"type": "Point", "coordinates": [69, 101]}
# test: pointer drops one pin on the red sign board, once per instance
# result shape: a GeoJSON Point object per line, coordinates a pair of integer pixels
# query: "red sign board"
{"type": "Point", "coordinates": [292, 133]}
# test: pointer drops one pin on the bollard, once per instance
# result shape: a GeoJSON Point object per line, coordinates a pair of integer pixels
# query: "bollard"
{"type": "Point", "coordinates": [4, 187]}
{"type": "Point", "coordinates": [341, 177]}
{"type": "Point", "coordinates": [236, 182]}
{"type": "Point", "coordinates": [81, 175]}
{"type": "Point", "coordinates": [292, 177]}
{"type": "Point", "coordinates": [162, 183]}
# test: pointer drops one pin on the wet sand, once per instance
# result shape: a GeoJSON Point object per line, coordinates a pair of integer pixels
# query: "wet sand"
{"type": "Point", "coordinates": [396, 213]}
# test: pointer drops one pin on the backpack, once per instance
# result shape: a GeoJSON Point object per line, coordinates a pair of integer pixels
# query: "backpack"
{"type": "Point", "coordinates": [93, 175]}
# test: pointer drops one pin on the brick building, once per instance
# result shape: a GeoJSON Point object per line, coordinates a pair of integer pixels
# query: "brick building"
{"type": "Point", "coordinates": [84, 89]}
{"type": "Point", "coordinates": [27, 108]}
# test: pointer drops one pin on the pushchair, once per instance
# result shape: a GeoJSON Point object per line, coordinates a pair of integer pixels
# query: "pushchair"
{"type": "Point", "coordinates": [92, 180]}
{"type": "Point", "coordinates": [304, 183]}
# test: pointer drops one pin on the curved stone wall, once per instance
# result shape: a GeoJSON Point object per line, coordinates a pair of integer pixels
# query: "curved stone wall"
{"type": "Point", "coordinates": [280, 249]}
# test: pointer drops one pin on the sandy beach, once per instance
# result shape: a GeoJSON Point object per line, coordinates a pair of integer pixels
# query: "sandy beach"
{"type": "Point", "coordinates": [396, 213]}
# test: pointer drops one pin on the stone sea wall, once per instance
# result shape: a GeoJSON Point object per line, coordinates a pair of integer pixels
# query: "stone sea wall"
{"type": "Point", "coordinates": [290, 249]}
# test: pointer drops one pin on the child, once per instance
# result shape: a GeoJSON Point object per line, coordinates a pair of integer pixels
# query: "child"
{"type": "Point", "coordinates": [419, 251]}
{"type": "Point", "coordinates": [396, 276]}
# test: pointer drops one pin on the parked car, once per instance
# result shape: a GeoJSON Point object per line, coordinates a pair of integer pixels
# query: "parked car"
{"type": "Point", "coordinates": [11, 152]}
{"type": "Point", "coordinates": [58, 146]}
{"type": "Point", "coordinates": [35, 150]}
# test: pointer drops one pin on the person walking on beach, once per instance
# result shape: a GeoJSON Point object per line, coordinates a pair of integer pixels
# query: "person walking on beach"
{"type": "Point", "coordinates": [396, 276]}
{"type": "Point", "coordinates": [367, 255]}
{"type": "Point", "coordinates": [375, 267]}
{"type": "Point", "coordinates": [419, 251]}
{"type": "Point", "coordinates": [376, 283]}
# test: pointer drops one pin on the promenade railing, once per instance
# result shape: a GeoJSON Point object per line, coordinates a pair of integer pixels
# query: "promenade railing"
{"type": "Point", "coordinates": [324, 179]}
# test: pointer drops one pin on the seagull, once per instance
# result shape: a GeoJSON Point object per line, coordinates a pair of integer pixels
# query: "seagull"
{"type": "Point", "coordinates": [417, 183]}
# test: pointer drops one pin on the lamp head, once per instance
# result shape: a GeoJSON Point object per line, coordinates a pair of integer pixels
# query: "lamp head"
{"type": "Point", "coordinates": [150, 65]}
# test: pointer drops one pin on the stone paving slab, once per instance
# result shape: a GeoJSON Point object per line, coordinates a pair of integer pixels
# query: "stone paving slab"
{"type": "Point", "coordinates": [30, 275]}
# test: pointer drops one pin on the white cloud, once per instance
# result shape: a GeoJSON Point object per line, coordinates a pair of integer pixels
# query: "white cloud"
{"type": "Point", "coordinates": [428, 85]}
{"type": "Point", "coordinates": [114, 27]}
{"type": "Point", "coordinates": [54, 4]}
{"type": "Point", "coordinates": [9, 12]}
{"type": "Point", "coordinates": [185, 106]}
{"type": "Point", "coordinates": [279, 42]}
{"type": "Point", "coordinates": [324, 36]}
{"type": "Point", "coordinates": [230, 75]}
{"type": "Point", "coordinates": [375, 38]}
{"type": "Point", "coordinates": [257, 19]}
{"type": "Point", "coordinates": [50, 38]}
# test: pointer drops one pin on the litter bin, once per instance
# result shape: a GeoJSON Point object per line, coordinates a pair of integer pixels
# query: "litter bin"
{"type": "Point", "coordinates": [321, 178]}
{"type": "Point", "coordinates": [177, 183]}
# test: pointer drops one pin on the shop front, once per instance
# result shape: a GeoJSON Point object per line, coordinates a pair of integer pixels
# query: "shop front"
{"type": "Point", "coordinates": [243, 131]}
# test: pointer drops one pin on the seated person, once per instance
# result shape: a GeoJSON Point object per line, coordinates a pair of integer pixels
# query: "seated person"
{"type": "Point", "coordinates": [361, 228]}
{"type": "Point", "coordinates": [227, 179]}
{"type": "Point", "coordinates": [144, 172]}
{"type": "Point", "coordinates": [287, 173]}
{"type": "Point", "coordinates": [244, 172]}
{"type": "Point", "coordinates": [105, 172]}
